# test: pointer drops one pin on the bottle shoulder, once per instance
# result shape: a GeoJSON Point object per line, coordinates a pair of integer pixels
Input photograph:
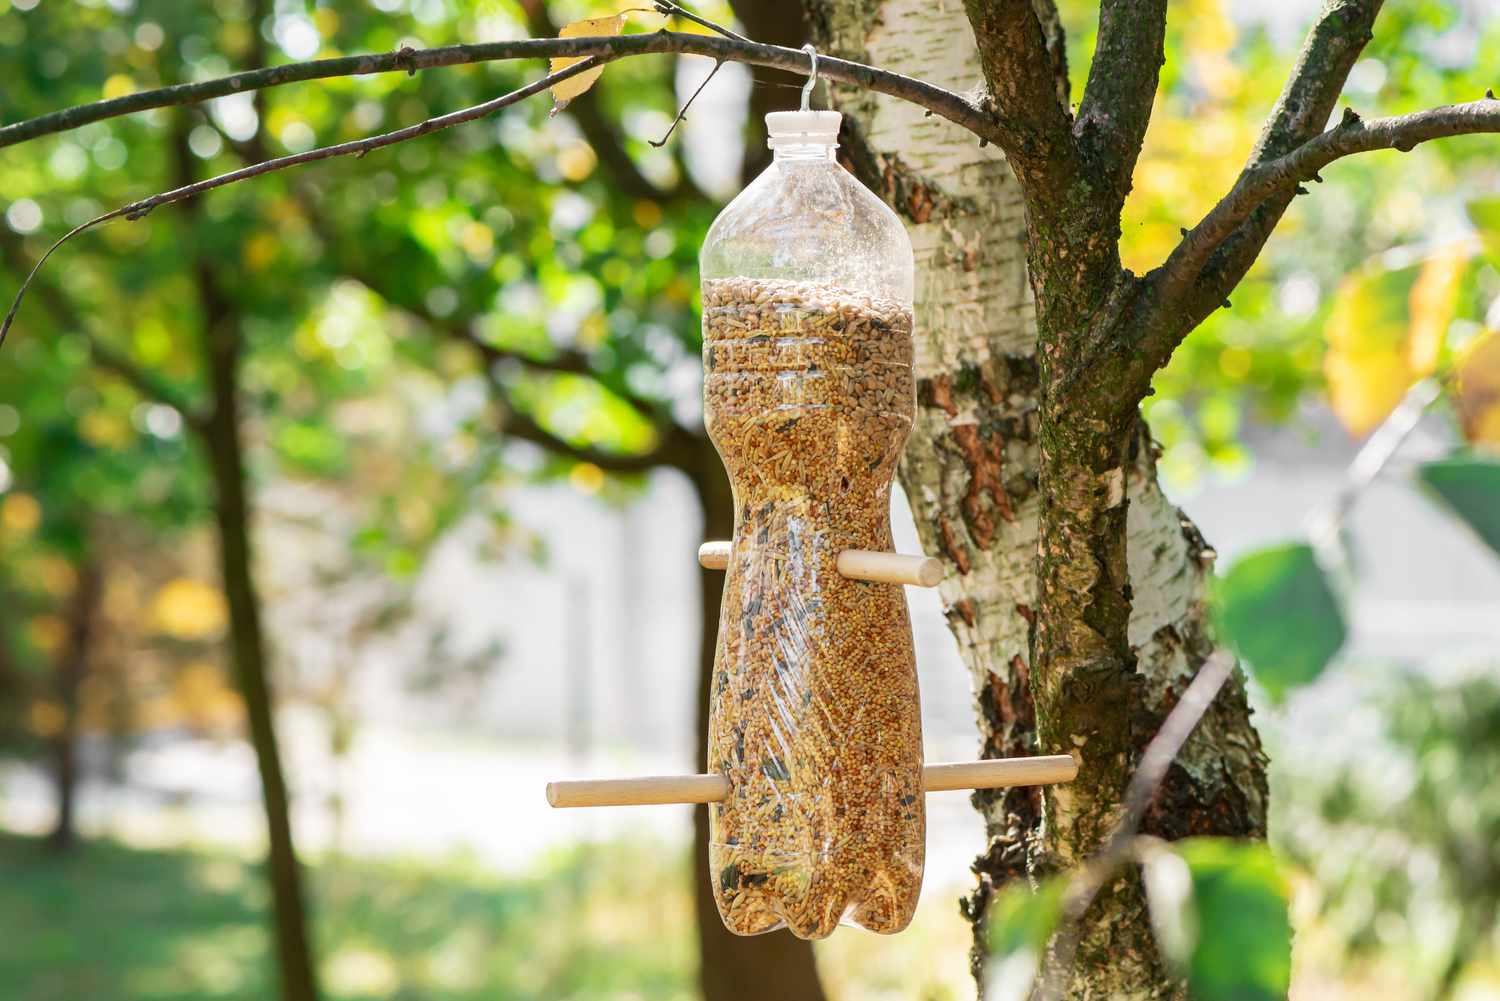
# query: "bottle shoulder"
{"type": "Point", "coordinates": [811, 220]}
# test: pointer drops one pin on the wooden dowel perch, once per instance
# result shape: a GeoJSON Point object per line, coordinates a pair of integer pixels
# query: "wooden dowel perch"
{"type": "Point", "coordinates": [856, 564]}
{"type": "Point", "coordinates": [659, 789]}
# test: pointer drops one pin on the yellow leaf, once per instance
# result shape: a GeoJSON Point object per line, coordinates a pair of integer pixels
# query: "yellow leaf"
{"type": "Point", "coordinates": [1478, 390]}
{"type": "Point", "coordinates": [56, 575]}
{"type": "Point", "coordinates": [570, 88]}
{"type": "Point", "coordinates": [1385, 331]}
{"type": "Point", "coordinates": [203, 697]}
{"type": "Point", "coordinates": [188, 609]}
{"type": "Point", "coordinates": [1433, 298]}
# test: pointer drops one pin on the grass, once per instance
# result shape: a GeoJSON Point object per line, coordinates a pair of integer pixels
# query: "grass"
{"type": "Point", "coordinates": [110, 923]}
{"type": "Point", "coordinates": [597, 922]}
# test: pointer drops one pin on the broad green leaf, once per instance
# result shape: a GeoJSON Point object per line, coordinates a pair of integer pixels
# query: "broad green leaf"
{"type": "Point", "coordinates": [1385, 331]}
{"type": "Point", "coordinates": [570, 88]}
{"type": "Point", "coordinates": [1477, 390]}
{"type": "Point", "coordinates": [1276, 609]}
{"type": "Point", "coordinates": [1219, 908]}
{"type": "Point", "coordinates": [1020, 923]}
{"type": "Point", "coordinates": [1469, 486]}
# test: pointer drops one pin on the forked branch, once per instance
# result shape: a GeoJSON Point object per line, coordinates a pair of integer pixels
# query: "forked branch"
{"type": "Point", "coordinates": [1312, 89]}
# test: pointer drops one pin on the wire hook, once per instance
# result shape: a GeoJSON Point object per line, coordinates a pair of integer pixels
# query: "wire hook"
{"type": "Point", "coordinates": [812, 75]}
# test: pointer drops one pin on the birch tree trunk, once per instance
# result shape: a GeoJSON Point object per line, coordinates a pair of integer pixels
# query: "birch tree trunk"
{"type": "Point", "coordinates": [971, 476]}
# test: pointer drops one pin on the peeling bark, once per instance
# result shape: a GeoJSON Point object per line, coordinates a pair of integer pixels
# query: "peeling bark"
{"type": "Point", "coordinates": [1124, 562]}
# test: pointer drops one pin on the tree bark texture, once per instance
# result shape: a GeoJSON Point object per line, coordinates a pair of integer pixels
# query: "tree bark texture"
{"type": "Point", "coordinates": [977, 485]}
{"type": "Point", "coordinates": [733, 968]}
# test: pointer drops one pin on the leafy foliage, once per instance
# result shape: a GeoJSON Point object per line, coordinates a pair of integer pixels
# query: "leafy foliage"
{"type": "Point", "coordinates": [1219, 908]}
{"type": "Point", "coordinates": [1401, 831]}
{"type": "Point", "coordinates": [1020, 921]}
{"type": "Point", "coordinates": [1276, 608]}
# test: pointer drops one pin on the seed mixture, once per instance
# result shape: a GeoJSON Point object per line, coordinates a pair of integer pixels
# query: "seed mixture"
{"type": "Point", "coordinates": [808, 397]}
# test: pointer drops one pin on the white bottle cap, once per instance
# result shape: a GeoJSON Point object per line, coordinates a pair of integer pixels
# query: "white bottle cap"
{"type": "Point", "coordinates": [802, 128]}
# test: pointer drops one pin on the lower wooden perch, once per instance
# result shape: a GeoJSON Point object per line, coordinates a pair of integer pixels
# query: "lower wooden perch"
{"type": "Point", "coordinates": [659, 789]}
{"type": "Point", "coordinates": [856, 564]}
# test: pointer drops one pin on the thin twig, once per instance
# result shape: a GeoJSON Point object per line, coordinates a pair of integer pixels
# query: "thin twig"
{"type": "Point", "coordinates": [669, 9]}
{"type": "Point", "coordinates": [1325, 527]}
{"type": "Point", "coordinates": [356, 147]}
{"type": "Point", "coordinates": [682, 115]}
{"type": "Point", "coordinates": [1120, 848]}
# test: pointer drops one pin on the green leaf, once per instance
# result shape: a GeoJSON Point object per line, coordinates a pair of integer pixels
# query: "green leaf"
{"type": "Point", "coordinates": [1469, 486]}
{"type": "Point", "coordinates": [1020, 923]}
{"type": "Point", "coordinates": [1275, 607]}
{"type": "Point", "coordinates": [1219, 908]}
{"type": "Point", "coordinates": [1021, 918]}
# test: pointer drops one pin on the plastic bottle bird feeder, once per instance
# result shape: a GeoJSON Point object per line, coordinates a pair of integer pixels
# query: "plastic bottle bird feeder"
{"type": "Point", "coordinates": [816, 780]}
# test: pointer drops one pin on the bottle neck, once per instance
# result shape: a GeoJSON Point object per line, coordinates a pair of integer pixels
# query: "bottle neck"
{"type": "Point", "coordinates": [802, 152]}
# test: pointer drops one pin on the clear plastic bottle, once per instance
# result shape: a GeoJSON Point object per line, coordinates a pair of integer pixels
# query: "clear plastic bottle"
{"type": "Point", "coordinates": [809, 398]}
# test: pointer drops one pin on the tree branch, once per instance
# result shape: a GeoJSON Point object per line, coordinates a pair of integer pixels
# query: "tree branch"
{"type": "Point", "coordinates": [1116, 104]}
{"type": "Point", "coordinates": [1343, 29]}
{"type": "Point", "coordinates": [954, 107]}
{"type": "Point", "coordinates": [523, 427]}
{"type": "Point", "coordinates": [357, 147]}
{"type": "Point", "coordinates": [562, 362]}
{"type": "Point", "coordinates": [1056, 39]}
{"type": "Point", "coordinates": [1032, 125]}
{"type": "Point", "coordinates": [1275, 182]}
{"type": "Point", "coordinates": [1201, 279]}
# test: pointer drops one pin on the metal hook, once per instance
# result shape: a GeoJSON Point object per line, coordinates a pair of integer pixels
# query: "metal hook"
{"type": "Point", "coordinates": [812, 75]}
